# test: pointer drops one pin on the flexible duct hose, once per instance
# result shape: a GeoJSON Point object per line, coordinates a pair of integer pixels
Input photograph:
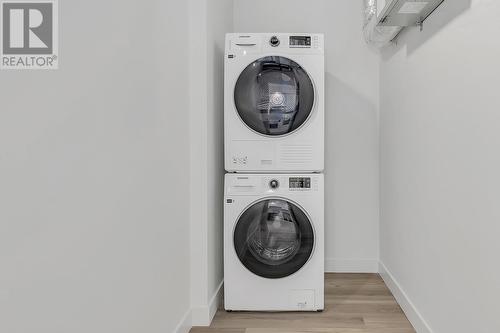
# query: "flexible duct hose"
{"type": "Point", "coordinates": [370, 10]}
{"type": "Point", "coordinates": [375, 35]}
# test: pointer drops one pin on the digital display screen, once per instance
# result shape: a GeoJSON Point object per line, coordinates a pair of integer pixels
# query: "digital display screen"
{"type": "Point", "coordinates": [300, 183]}
{"type": "Point", "coordinates": [300, 41]}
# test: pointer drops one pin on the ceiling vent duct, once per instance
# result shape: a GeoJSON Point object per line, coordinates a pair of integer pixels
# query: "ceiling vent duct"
{"type": "Point", "coordinates": [384, 19]}
{"type": "Point", "coordinates": [374, 34]}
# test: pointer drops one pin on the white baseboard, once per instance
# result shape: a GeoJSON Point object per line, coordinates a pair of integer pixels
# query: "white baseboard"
{"type": "Point", "coordinates": [215, 302]}
{"type": "Point", "coordinates": [184, 325]}
{"type": "Point", "coordinates": [351, 265]}
{"type": "Point", "coordinates": [202, 316]}
{"type": "Point", "coordinates": [404, 301]}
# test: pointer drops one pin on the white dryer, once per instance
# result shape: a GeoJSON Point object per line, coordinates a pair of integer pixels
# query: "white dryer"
{"type": "Point", "coordinates": [274, 102]}
{"type": "Point", "coordinates": [273, 242]}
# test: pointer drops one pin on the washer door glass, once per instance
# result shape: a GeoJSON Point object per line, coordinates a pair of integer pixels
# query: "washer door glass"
{"type": "Point", "coordinates": [273, 238]}
{"type": "Point", "coordinates": [274, 96]}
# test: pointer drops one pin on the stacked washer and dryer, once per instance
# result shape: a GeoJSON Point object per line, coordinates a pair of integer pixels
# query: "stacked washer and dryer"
{"type": "Point", "coordinates": [274, 188]}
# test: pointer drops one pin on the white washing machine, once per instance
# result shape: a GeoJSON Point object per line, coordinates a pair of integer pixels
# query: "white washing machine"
{"type": "Point", "coordinates": [273, 242]}
{"type": "Point", "coordinates": [274, 102]}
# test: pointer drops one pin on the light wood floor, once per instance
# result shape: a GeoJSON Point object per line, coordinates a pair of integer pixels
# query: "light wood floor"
{"type": "Point", "coordinates": [354, 303]}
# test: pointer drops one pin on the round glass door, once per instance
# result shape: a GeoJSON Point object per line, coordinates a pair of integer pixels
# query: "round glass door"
{"type": "Point", "coordinates": [273, 238]}
{"type": "Point", "coordinates": [274, 96]}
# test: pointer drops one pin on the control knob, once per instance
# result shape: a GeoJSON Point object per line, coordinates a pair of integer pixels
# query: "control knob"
{"type": "Point", "coordinates": [274, 41]}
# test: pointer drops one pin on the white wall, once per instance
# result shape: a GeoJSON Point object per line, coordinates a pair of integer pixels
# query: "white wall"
{"type": "Point", "coordinates": [93, 198]}
{"type": "Point", "coordinates": [440, 162]}
{"type": "Point", "coordinates": [210, 21]}
{"type": "Point", "coordinates": [220, 22]}
{"type": "Point", "coordinates": [352, 80]}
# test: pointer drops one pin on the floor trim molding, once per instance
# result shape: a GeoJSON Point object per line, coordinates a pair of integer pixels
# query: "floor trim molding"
{"type": "Point", "coordinates": [184, 325]}
{"type": "Point", "coordinates": [202, 316]}
{"type": "Point", "coordinates": [404, 301]}
{"type": "Point", "coordinates": [215, 302]}
{"type": "Point", "coordinates": [351, 265]}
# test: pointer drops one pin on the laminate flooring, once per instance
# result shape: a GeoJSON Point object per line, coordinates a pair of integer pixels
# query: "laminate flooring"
{"type": "Point", "coordinates": [354, 303]}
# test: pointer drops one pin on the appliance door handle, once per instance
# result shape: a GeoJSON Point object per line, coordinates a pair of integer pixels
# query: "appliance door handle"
{"type": "Point", "coordinates": [248, 44]}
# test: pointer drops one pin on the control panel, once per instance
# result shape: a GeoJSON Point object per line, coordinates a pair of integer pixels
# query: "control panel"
{"type": "Point", "coordinates": [299, 183]}
{"type": "Point", "coordinates": [294, 183]}
{"type": "Point", "coordinates": [300, 41]}
{"type": "Point", "coordinates": [296, 41]}
{"type": "Point", "coordinates": [272, 185]}
{"type": "Point", "coordinates": [238, 45]}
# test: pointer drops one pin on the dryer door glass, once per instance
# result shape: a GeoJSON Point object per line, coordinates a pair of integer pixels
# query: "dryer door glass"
{"type": "Point", "coordinates": [273, 238]}
{"type": "Point", "coordinates": [274, 96]}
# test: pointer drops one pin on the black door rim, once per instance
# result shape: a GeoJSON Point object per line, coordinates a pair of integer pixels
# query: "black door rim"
{"type": "Point", "coordinates": [307, 119]}
{"type": "Point", "coordinates": [303, 263]}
